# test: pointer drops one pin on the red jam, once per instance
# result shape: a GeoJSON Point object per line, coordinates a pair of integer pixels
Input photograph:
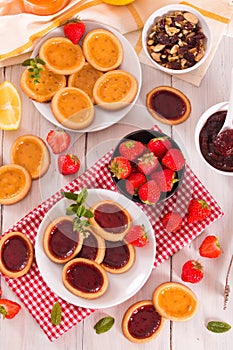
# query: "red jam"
{"type": "Point", "coordinates": [89, 248]}
{"type": "Point", "coordinates": [167, 104]}
{"type": "Point", "coordinates": [116, 254]}
{"type": "Point", "coordinates": [144, 322]}
{"type": "Point", "coordinates": [84, 277]}
{"type": "Point", "coordinates": [215, 149]}
{"type": "Point", "coordinates": [63, 239]}
{"type": "Point", "coordinates": [111, 218]}
{"type": "Point", "coordinates": [15, 254]}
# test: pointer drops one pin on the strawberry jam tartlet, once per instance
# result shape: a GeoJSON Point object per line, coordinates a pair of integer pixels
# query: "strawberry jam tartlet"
{"type": "Point", "coordinates": [16, 254]}
{"type": "Point", "coordinates": [93, 247]}
{"type": "Point", "coordinates": [111, 221]}
{"type": "Point", "coordinates": [85, 278]}
{"type": "Point", "coordinates": [141, 322]}
{"type": "Point", "coordinates": [61, 242]}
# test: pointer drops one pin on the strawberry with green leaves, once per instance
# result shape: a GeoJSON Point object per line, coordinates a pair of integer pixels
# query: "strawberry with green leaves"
{"type": "Point", "coordinates": [68, 164]}
{"type": "Point", "coordinates": [74, 30]}
{"type": "Point", "coordinates": [58, 140]}
{"type": "Point", "coordinates": [134, 182]}
{"type": "Point", "coordinates": [198, 210]}
{"type": "Point", "coordinates": [131, 149]}
{"type": "Point", "coordinates": [137, 236]}
{"type": "Point", "coordinates": [9, 308]}
{"type": "Point", "coordinates": [147, 163]}
{"type": "Point", "coordinates": [172, 221]}
{"type": "Point", "coordinates": [173, 159]}
{"type": "Point", "coordinates": [165, 179]}
{"type": "Point", "coordinates": [149, 192]}
{"type": "Point", "coordinates": [210, 247]}
{"type": "Point", "coordinates": [120, 167]}
{"type": "Point", "coordinates": [192, 271]}
{"type": "Point", "coordinates": [159, 146]}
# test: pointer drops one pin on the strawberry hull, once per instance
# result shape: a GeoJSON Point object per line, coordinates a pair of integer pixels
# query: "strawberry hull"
{"type": "Point", "coordinates": [144, 137]}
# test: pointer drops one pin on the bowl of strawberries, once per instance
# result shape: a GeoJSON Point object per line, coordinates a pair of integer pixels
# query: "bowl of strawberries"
{"type": "Point", "coordinates": [147, 166]}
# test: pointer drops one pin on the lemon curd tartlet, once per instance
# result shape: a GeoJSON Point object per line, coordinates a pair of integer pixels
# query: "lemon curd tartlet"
{"type": "Point", "coordinates": [61, 56]}
{"type": "Point", "coordinates": [16, 254]}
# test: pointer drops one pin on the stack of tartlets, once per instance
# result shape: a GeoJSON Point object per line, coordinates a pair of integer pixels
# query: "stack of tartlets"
{"type": "Point", "coordinates": [75, 78]}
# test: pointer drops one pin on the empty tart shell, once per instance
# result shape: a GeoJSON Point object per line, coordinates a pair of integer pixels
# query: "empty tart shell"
{"type": "Point", "coordinates": [168, 105]}
{"type": "Point", "coordinates": [15, 183]}
{"type": "Point", "coordinates": [175, 301]}
{"type": "Point", "coordinates": [61, 56]}
{"type": "Point", "coordinates": [93, 247]}
{"type": "Point", "coordinates": [85, 278]}
{"type": "Point", "coordinates": [102, 49]}
{"type": "Point", "coordinates": [141, 322]}
{"type": "Point", "coordinates": [73, 108]}
{"type": "Point", "coordinates": [49, 84]}
{"type": "Point", "coordinates": [31, 152]}
{"type": "Point", "coordinates": [85, 79]}
{"type": "Point", "coordinates": [119, 257]}
{"type": "Point", "coordinates": [110, 221]}
{"type": "Point", "coordinates": [16, 254]}
{"type": "Point", "coordinates": [61, 243]}
{"type": "Point", "coordinates": [115, 89]}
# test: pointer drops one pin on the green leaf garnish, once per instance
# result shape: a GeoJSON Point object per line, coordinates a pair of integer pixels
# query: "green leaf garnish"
{"type": "Point", "coordinates": [56, 314]}
{"type": "Point", "coordinates": [218, 326]}
{"type": "Point", "coordinates": [104, 324]}
{"type": "Point", "coordinates": [3, 311]}
{"type": "Point", "coordinates": [34, 68]}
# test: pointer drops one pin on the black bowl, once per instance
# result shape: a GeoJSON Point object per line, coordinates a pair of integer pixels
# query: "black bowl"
{"type": "Point", "coordinates": [145, 136]}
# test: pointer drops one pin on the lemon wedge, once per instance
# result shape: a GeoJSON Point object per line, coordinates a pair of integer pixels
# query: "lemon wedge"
{"type": "Point", "coordinates": [10, 106]}
{"type": "Point", "coordinates": [118, 2]}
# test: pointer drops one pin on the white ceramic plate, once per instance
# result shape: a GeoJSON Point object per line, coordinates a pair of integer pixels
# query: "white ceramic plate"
{"type": "Point", "coordinates": [121, 287]}
{"type": "Point", "coordinates": [103, 118]}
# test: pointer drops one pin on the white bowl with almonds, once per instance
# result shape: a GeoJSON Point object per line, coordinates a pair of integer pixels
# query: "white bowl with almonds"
{"type": "Point", "coordinates": [176, 39]}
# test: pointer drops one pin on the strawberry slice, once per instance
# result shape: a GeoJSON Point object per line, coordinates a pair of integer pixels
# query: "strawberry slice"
{"type": "Point", "coordinates": [58, 140]}
{"type": "Point", "coordinates": [210, 247]}
{"type": "Point", "coordinates": [137, 236]}
{"type": "Point", "coordinates": [9, 308]}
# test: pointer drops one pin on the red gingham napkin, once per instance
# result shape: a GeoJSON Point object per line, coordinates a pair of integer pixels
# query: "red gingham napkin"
{"type": "Point", "coordinates": [34, 292]}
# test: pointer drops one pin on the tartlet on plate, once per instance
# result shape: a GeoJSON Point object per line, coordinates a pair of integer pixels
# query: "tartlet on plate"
{"type": "Point", "coordinates": [93, 247]}
{"type": "Point", "coordinates": [16, 254]}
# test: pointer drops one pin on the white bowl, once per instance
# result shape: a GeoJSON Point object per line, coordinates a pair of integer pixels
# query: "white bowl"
{"type": "Point", "coordinates": [161, 12]}
{"type": "Point", "coordinates": [222, 106]}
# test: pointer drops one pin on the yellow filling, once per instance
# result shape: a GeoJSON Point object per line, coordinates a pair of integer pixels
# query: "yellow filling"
{"type": "Point", "coordinates": [63, 55]}
{"type": "Point", "coordinates": [11, 183]}
{"type": "Point", "coordinates": [29, 154]}
{"type": "Point", "coordinates": [49, 82]}
{"type": "Point", "coordinates": [104, 51]}
{"type": "Point", "coordinates": [114, 88]}
{"type": "Point", "coordinates": [86, 78]}
{"type": "Point", "coordinates": [74, 106]}
{"type": "Point", "coordinates": [176, 302]}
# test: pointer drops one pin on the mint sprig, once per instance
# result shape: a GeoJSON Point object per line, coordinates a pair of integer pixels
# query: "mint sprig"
{"type": "Point", "coordinates": [82, 214]}
{"type": "Point", "coordinates": [34, 68]}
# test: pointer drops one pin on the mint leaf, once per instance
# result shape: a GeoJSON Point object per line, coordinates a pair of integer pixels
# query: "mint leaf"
{"type": "Point", "coordinates": [218, 326]}
{"type": "Point", "coordinates": [33, 67]}
{"type": "Point", "coordinates": [104, 324]}
{"type": "Point", "coordinates": [56, 314]}
{"type": "Point", "coordinates": [70, 195]}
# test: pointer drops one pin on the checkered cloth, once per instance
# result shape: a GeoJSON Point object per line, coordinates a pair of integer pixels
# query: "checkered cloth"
{"type": "Point", "coordinates": [38, 297]}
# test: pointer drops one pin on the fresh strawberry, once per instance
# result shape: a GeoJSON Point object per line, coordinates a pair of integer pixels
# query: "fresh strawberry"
{"type": "Point", "coordinates": [198, 210]}
{"type": "Point", "coordinates": [165, 179]}
{"type": "Point", "coordinates": [210, 247]}
{"type": "Point", "coordinates": [131, 149]}
{"type": "Point", "coordinates": [74, 30]}
{"type": "Point", "coordinates": [120, 167]}
{"type": "Point", "coordinates": [159, 146]}
{"type": "Point", "coordinates": [149, 192]}
{"type": "Point", "coordinates": [147, 163]}
{"type": "Point", "coordinates": [192, 271]}
{"type": "Point", "coordinates": [173, 159]}
{"type": "Point", "coordinates": [172, 221]}
{"type": "Point", "coordinates": [9, 308]}
{"type": "Point", "coordinates": [137, 236]}
{"type": "Point", "coordinates": [58, 140]}
{"type": "Point", "coordinates": [68, 164]}
{"type": "Point", "coordinates": [133, 182]}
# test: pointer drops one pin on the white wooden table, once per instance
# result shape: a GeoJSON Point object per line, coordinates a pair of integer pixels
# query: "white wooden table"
{"type": "Point", "coordinates": [22, 332]}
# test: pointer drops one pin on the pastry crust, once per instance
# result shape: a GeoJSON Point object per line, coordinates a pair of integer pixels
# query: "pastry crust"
{"type": "Point", "coordinates": [89, 264]}
{"type": "Point", "coordinates": [110, 235]}
{"type": "Point", "coordinates": [102, 49]}
{"type": "Point", "coordinates": [46, 239]}
{"type": "Point", "coordinates": [174, 91]}
{"type": "Point", "coordinates": [49, 84]}
{"type": "Point", "coordinates": [31, 152]}
{"type": "Point", "coordinates": [100, 246]}
{"type": "Point", "coordinates": [128, 264]}
{"type": "Point", "coordinates": [73, 108]}
{"type": "Point", "coordinates": [15, 183]}
{"type": "Point", "coordinates": [25, 269]}
{"type": "Point", "coordinates": [181, 303]}
{"type": "Point", "coordinates": [115, 89]}
{"type": "Point", "coordinates": [127, 316]}
{"type": "Point", "coordinates": [61, 56]}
